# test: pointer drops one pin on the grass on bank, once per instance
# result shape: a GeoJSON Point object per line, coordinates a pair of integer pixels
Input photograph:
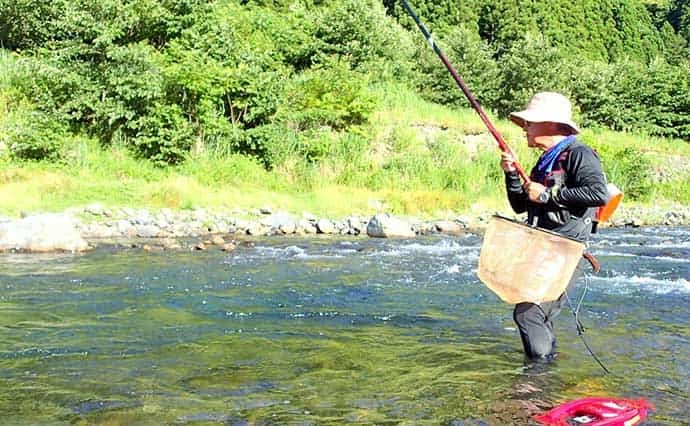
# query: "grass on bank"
{"type": "Point", "coordinates": [414, 158]}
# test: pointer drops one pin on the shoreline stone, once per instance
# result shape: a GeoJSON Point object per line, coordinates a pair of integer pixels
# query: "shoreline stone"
{"type": "Point", "coordinates": [80, 229]}
{"type": "Point", "coordinates": [42, 233]}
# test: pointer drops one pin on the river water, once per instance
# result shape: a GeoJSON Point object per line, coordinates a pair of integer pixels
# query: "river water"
{"type": "Point", "coordinates": [330, 331]}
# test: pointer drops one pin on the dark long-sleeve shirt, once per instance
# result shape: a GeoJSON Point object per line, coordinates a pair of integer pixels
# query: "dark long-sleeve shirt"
{"type": "Point", "coordinates": [578, 187]}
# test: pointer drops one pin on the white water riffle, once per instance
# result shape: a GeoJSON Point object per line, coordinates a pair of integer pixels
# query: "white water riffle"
{"type": "Point", "coordinates": [654, 260]}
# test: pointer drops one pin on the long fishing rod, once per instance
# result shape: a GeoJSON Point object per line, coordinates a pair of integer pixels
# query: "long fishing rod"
{"type": "Point", "coordinates": [501, 142]}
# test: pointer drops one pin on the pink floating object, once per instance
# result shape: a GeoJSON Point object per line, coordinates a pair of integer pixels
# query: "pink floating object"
{"type": "Point", "coordinates": [597, 412]}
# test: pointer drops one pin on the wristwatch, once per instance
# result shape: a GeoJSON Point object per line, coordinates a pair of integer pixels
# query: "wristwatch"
{"type": "Point", "coordinates": [545, 196]}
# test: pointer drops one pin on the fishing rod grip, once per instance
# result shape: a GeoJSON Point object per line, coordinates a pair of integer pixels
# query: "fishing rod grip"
{"type": "Point", "coordinates": [494, 132]}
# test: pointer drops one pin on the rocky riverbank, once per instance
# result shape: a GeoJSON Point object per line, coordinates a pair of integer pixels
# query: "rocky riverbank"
{"type": "Point", "coordinates": [80, 229]}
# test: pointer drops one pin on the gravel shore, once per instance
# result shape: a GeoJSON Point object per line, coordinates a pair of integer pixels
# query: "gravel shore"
{"type": "Point", "coordinates": [79, 229]}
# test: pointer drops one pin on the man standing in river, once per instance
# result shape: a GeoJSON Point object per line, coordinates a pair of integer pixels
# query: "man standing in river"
{"type": "Point", "coordinates": [566, 186]}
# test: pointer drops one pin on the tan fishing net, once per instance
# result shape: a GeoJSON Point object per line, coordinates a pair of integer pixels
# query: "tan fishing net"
{"type": "Point", "coordinates": [524, 264]}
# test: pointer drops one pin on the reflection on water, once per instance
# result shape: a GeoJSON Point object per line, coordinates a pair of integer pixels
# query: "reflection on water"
{"type": "Point", "coordinates": [329, 331]}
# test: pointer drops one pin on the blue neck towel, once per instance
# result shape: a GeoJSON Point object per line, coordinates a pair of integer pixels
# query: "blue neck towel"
{"type": "Point", "coordinates": [548, 159]}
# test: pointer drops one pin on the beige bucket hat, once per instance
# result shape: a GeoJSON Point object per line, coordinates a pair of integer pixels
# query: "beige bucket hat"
{"type": "Point", "coordinates": [546, 107]}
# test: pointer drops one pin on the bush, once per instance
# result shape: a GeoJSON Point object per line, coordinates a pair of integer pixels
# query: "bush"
{"type": "Point", "coordinates": [36, 136]}
{"type": "Point", "coordinates": [101, 91]}
{"type": "Point", "coordinates": [665, 99]}
{"type": "Point", "coordinates": [438, 15]}
{"type": "Point", "coordinates": [636, 173]}
{"type": "Point", "coordinates": [270, 144]}
{"type": "Point", "coordinates": [129, 80]}
{"type": "Point", "coordinates": [630, 170]}
{"type": "Point", "coordinates": [326, 96]}
{"type": "Point", "coordinates": [58, 86]}
{"type": "Point", "coordinates": [593, 93]}
{"type": "Point", "coordinates": [164, 136]}
{"type": "Point", "coordinates": [94, 64]}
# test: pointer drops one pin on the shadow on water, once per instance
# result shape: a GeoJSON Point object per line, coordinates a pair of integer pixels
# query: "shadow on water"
{"type": "Point", "coordinates": [298, 331]}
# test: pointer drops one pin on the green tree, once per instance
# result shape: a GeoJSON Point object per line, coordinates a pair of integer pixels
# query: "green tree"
{"type": "Point", "coordinates": [598, 29]}
{"type": "Point", "coordinates": [473, 60]}
{"type": "Point", "coordinates": [360, 32]}
{"type": "Point", "coordinates": [530, 65]}
{"type": "Point", "coordinates": [678, 16]}
{"type": "Point", "coordinates": [501, 23]}
{"type": "Point", "coordinates": [439, 15]}
{"type": "Point", "coordinates": [631, 96]}
{"type": "Point", "coordinates": [226, 73]}
{"type": "Point", "coordinates": [27, 24]}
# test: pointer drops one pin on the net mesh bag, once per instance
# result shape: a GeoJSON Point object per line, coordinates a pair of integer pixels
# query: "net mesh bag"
{"type": "Point", "coordinates": [524, 264]}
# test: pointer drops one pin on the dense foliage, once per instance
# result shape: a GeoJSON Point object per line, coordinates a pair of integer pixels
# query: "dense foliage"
{"type": "Point", "coordinates": [625, 65]}
{"type": "Point", "coordinates": [269, 79]}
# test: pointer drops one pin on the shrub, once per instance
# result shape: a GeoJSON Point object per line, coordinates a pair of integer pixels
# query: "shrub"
{"type": "Point", "coordinates": [58, 86]}
{"type": "Point", "coordinates": [636, 173]}
{"type": "Point", "coordinates": [629, 169]}
{"type": "Point", "coordinates": [103, 92]}
{"type": "Point", "coordinates": [128, 80]}
{"type": "Point", "coordinates": [437, 14]}
{"type": "Point", "coordinates": [326, 96]}
{"type": "Point", "coordinates": [270, 144]}
{"type": "Point", "coordinates": [29, 24]}
{"type": "Point", "coordinates": [164, 135]}
{"type": "Point", "coordinates": [36, 136]}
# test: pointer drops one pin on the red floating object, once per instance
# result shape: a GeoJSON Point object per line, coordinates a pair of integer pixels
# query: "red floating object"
{"type": "Point", "coordinates": [597, 412]}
